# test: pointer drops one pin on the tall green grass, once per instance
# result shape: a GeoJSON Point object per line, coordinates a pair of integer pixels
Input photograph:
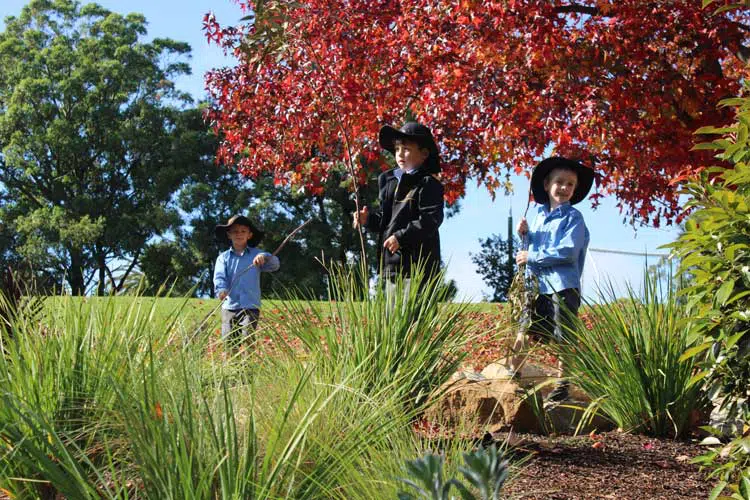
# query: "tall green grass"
{"type": "Point", "coordinates": [629, 362]}
{"type": "Point", "coordinates": [105, 401]}
{"type": "Point", "coordinates": [411, 341]}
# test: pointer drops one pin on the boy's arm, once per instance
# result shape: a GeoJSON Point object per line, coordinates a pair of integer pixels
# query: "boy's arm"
{"type": "Point", "coordinates": [272, 263]}
{"type": "Point", "coordinates": [430, 215]}
{"type": "Point", "coordinates": [568, 247]}
{"type": "Point", "coordinates": [221, 283]}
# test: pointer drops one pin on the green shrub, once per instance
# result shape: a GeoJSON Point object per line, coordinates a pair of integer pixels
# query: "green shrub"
{"type": "Point", "coordinates": [715, 250]}
{"type": "Point", "coordinates": [413, 342]}
{"type": "Point", "coordinates": [629, 360]}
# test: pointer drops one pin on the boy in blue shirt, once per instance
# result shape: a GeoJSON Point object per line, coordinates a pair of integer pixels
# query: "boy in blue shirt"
{"type": "Point", "coordinates": [237, 277]}
{"type": "Point", "coordinates": [557, 244]}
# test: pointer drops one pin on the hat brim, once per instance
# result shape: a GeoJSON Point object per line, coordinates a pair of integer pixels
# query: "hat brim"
{"type": "Point", "coordinates": [583, 186]}
{"type": "Point", "coordinates": [388, 136]}
{"type": "Point", "coordinates": [221, 230]}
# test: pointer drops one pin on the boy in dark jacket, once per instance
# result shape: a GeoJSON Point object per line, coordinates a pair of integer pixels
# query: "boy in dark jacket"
{"type": "Point", "coordinates": [411, 204]}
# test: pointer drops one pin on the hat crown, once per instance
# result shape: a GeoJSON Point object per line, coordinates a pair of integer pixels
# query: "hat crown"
{"type": "Point", "coordinates": [239, 219]}
{"type": "Point", "coordinates": [414, 128]}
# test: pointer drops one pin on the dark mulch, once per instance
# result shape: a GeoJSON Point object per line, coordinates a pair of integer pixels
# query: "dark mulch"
{"type": "Point", "coordinates": [622, 466]}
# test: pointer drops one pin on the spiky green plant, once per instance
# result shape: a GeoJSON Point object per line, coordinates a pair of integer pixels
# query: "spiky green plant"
{"type": "Point", "coordinates": [630, 361]}
{"type": "Point", "coordinates": [104, 399]}
{"type": "Point", "coordinates": [409, 338]}
{"type": "Point", "coordinates": [486, 471]}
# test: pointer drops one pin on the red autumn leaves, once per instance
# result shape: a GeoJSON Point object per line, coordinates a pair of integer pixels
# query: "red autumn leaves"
{"type": "Point", "coordinates": [622, 85]}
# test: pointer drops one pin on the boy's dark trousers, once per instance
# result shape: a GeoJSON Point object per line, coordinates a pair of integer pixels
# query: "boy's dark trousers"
{"type": "Point", "coordinates": [239, 325]}
{"type": "Point", "coordinates": [552, 316]}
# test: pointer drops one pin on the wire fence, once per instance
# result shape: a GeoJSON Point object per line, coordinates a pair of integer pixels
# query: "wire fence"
{"type": "Point", "coordinates": [603, 280]}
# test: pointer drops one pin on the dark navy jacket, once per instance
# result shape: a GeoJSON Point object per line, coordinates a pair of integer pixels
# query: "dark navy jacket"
{"type": "Point", "coordinates": [411, 209]}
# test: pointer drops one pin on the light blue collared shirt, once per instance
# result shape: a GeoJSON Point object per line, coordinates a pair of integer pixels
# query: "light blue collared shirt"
{"type": "Point", "coordinates": [236, 273]}
{"type": "Point", "coordinates": [397, 173]}
{"type": "Point", "coordinates": [558, 241]}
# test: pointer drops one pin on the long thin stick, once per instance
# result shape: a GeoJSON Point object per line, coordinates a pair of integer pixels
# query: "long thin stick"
{"type": "Point", "coordinates": [519, 287]}
{"type": "Point", "coordinates": [234, 279]}
{"type": "Point", "coordinates": [349, 157]}
{"type": "Point", "coordinates": [289, 237]}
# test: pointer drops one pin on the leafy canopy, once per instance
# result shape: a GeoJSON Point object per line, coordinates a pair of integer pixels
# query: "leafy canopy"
{"type": "Point", "coordinates": [91, 136]}
{"type": "Point", "coordinates": [620, 84]}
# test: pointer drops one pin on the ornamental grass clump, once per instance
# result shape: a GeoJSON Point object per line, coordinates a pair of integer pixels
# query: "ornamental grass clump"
{"type": "Point", "coordinates": [281, 431]}
{"type": "Point", "coordinates": [629, 362]}
{"type": "Point", "coordinates": [409, 339]}
{"type": "Point", "coordinates": [57, 379]}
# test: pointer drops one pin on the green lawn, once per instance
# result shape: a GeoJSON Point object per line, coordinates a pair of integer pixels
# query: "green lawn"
{"type": "Point", "coordinates": [194, 311]}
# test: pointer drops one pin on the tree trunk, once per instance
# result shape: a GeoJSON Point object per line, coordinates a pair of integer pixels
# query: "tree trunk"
{"type": "Point", "coordinates": [136, 256]}
{"type": "Point", "coordinates": [322, 210]}
{"type": "Point", "coordinates": [75, 273]}
{"type": "Point", "coordinates": [212, 289]}
{"type": "Point", "coordinates": [101, 264]}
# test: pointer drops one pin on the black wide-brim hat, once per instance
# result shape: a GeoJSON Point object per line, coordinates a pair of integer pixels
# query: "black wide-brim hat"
{"type": "Point", "coordinates": [583, 186]}
{"type": "Point", "coordinates": [415, 132]}
{"type": "Point", "coordinates": [221, 229]}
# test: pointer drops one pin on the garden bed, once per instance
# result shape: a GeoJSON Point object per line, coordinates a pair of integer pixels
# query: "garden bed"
{"type": "Point", "coordinates": [611, 465]}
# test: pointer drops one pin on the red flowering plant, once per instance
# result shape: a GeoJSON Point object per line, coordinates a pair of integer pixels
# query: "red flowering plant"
{"type": "Point", "coordinates": [498, 82]}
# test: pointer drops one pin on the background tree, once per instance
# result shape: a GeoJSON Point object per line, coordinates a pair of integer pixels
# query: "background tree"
{"type": "Point", "coordinates": [493, 265]}
{"type": "Point", "coordinates": [90, 130]}
{"type": "Point", "coordinates": [30, 274]}
{"type": "Point", "coordinates": [621, 84]}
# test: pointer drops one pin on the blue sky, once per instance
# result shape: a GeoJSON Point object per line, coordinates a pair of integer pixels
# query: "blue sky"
{"type": "Point", "coordinates": [480, 216]}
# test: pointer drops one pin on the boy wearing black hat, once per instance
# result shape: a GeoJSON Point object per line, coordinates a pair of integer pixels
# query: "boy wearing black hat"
{"type": "Point", "coordinates": [411, 204]}
{"type": "Point", "coordinates": [557, 244]}
{"type": "Point", "coordinates": [237, 276]}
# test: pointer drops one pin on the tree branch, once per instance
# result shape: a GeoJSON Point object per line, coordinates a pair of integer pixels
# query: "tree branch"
{"type": "Point", "coordinates": [111, 278]}
{"type": "Point", "coordinates": [743, 53]}
{"type": "Point", "coordinates": [26, 191]}
{"type": "Point", "coordinates": [577, 9]}
{"type": "Point", "coordinates": [128, 270]}
{"type": "Point", "coordinates": [87, 281]}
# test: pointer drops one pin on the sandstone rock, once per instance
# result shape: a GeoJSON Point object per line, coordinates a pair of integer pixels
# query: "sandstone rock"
{"type": "Point", "coordinates": [492, 401]}
{"type": "Point", "coordinates": [469, 375]}
{"type": "Point", "coordinates": [487, 405]}
{"type": "Point", "coordinates": [531, 375]}
{"type": "Point", "coordinates": [530, 372]}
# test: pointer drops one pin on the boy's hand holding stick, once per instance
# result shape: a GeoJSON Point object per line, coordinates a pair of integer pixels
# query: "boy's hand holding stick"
{"type": "Point", "coordinates": [360, 218]}
{"type": "Point", "coordinates": [522, 230]}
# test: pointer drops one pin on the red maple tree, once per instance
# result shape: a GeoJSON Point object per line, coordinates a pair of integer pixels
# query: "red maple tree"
{"type": "Point", "coordinates": [621, 84]}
